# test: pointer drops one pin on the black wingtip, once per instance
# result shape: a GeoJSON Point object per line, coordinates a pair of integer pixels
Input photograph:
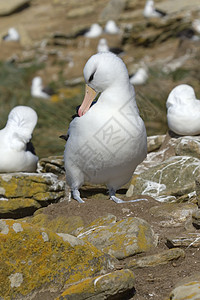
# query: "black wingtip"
{"type": "Point", "coordinates": [64, 137]}
{"type": "Point", "coordinates": [161, 12]}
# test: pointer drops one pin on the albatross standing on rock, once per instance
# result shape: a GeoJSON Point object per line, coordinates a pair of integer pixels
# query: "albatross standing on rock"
{"type": "Point", "coordinates": [183, 111]}
{"type": "Point", "coordinates": [16, 152]}
{"type": "Point", "coordinates": [107, 142]}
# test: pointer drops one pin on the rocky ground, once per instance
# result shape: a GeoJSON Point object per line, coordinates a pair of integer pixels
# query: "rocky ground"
{"type": "Point", "coordinates": [53, 248]}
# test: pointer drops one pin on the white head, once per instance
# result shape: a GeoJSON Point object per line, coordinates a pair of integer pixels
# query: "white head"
{"type": "Point", "coordinates": [182, 93]}
{"type": "Point", "coordinates": [23, 120]}
{"type": "Point", "coordinates": [103, 70]}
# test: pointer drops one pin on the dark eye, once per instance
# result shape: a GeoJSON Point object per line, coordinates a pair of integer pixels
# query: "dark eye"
{"type": "Point", "coordinates": [91, 77]}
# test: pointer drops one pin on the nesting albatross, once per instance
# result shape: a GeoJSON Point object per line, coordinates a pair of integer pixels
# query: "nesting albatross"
{"type": "Point", "coordinates": [108, 140]}
{"type": "Point", "coordinates": [16, 152]}
{"type": "Point", "coordinates": [183, 110]}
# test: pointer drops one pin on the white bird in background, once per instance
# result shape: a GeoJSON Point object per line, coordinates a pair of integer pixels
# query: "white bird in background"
{"type": "Point", "coordinates": [12, 35]}
{"type": "Point", "coordinates": [140, 77]}
{"type": "Point", "coordinates": [196, 25]}
{"type": "Point", "coordinates": [37, 89]}
{"type": "Point", "coordinates": [94, 31]}
{"type": "Point", "coordinates": [108, 140]}
{"type": "Point", "coordinates": [16, 151]}
{"type": "Point", "coordinates": [183, 111]}
{"type": "Point", "coordinates": [151, 12]}
{"type": "Point", "coordinates": [103, 47]}
{"type": "Point", "coordinates": [111, 27]}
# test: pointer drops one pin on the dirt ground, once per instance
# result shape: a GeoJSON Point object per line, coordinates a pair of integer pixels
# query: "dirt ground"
{"type": "Point", "coordinates": [152, 282]}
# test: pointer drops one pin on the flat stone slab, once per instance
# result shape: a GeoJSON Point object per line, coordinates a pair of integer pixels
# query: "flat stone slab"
{"type": "Point", "coordinates": [156, 259]}
{"type": "Point", "coordinates": [184, 240]}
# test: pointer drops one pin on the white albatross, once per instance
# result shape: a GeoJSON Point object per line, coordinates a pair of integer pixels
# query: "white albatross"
{"type": "Point", "coordinates": [94, 31]}
{"type": "Point", "coordinates": [151, 12]}
{"type": "Point", "coordinates": [183, 111]}
{"type": "Point", "coordinates": [103, 47]}
{"type": "Point", "coordinates": [140, 77]}
{"type": "Point", "coordinates": [107, 142]}
{"type": "Point", "coordinates": [12, 35]}
{"type": "Point", "coordinates": [38, 91]}
{"type": "Point", "coordinates": [16, 151]}
{"type": "Point", "coordinates": [111, 27]}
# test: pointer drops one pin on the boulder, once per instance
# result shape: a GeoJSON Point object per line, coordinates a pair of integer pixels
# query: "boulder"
{"type": "Point", "coordinates": [187, 289]}
{"type": "Point", "coordinates": [172, 214]}
{"type": "Point", "coordinates": [116, 284]}
{"type": "Point", "coordinates": [123, 238]}
{"type": "Point", "coordinates": [37, 262]}
{"type": "Point", "coordinates": [22, 193]}
{"type": "Point", "coordinates": [168, 180]}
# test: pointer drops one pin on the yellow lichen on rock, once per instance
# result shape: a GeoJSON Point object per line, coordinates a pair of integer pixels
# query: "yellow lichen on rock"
{"type": "Point", "coordinates": [57, 224]}
{"type": "Point", "coordinates": [100, 286]}
{"type": "Point", "coordinates": [142, 238]}
{"type": "Point", "coordinates": [20, 203]}
{"type": "Point", "coordinates": [33, 258]}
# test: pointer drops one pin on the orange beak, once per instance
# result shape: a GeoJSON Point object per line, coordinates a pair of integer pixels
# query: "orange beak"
{"type": "Point", "coordinates": [90, 94]}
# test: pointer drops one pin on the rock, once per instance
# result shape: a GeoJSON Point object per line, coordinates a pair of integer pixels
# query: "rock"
{"type": "Point", "coordinates": [123, 238]}
{"type": "Point", "coordinates": [188, 146]}
{"type": "Point", "coordinates": [37, 262]}
{"type": "Point", "coordinates": [172, 7]}
{"type": "Point", "coordinates": [156, 259]}
{"type": "Point", "coordinates": [154, 142]}
{"type": "Point", "coordinates": [197, 185]}
{"type": "Point", "coordinates": [154, 158]}
{"type": "Point", "coordinates": [184, 240]}
{"type": "Point", "coordinates": [172, 214]}
{"type": "Point", "coordinates": [18, 208]}
{"type": "Point", "coordinates": [149, 33]}
{"type": "Point", "coordinates": [11, 6]}
{"type": "Point", "coordinates": [187, 289]}
{"type": "Point", "coordinates": [196, 219]}
{"type": "Point", "coordinates": [98, 223]}
{"type": "Point", "coordinates": [116, 284]}
{"type": "Point", "coordinates": [113, 10]}
{"type": "Point", "coordinates": [23, 192]}
{"type": "Point", "coordinates": [169, 180]}
{"type": "Point", "coordinates": [80, 12]}
{"type": "Point", "coordinates": [61, 224]}
{"type": "Point", "coordinates": [52, 164]}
